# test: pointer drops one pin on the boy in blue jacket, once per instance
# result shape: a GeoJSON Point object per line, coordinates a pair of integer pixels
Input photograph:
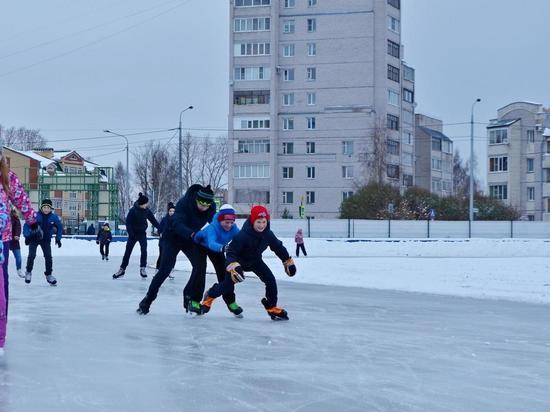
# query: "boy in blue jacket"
{"type": "Point", "coordinates": [244, 253]}
{"type": "Point", "coordinates": [40, 234]}
{"type": "Point", "coordinates": [215, 238]}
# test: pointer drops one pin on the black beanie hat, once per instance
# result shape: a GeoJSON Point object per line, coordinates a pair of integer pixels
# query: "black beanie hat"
{"type": "Point", "coordinates": [205, 194]}
{"type": "Point", "coordinates": [170, 206]}
{"type": "Point", "coordinates": [46, 202]}
{"type": "Point", "coordinates": [142, 199]}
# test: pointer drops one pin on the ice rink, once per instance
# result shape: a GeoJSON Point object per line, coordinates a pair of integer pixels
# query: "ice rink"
{"type": "Point", "coordinates": [81, 347]}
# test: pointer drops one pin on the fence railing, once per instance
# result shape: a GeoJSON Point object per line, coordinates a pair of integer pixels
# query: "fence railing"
{"type": "Point", "coordinates": [418, 229]}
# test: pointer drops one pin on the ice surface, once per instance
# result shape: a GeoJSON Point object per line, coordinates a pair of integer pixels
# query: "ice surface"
{"type": "Point", "coordinates": [81, 347]}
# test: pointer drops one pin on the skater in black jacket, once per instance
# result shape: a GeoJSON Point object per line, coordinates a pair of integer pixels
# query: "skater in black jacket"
{"type": "Point", "coordinates": [193, 211]}
{"type": "Point", "coordinates": [136, 226]}
{"type": "Point", "coordinates": [165, 223]}
{"type": "Point", "coordinates": [244, 254]}
{"type": "Point", "coordinates": [104, 238]}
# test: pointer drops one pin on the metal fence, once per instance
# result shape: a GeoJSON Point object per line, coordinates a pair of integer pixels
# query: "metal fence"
{"type": "Point", "coordinates": [411, 229]}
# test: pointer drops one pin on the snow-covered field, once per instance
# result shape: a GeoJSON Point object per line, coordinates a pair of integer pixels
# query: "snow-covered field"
{"type": "Point", "coordinates": [349, 346]}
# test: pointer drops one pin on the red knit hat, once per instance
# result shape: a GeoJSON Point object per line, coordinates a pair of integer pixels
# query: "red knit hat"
{"type": "Point", "coordinates": [258, 212]}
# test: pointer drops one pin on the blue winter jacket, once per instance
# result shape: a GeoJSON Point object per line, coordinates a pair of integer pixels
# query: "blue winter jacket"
{"type": "Point", "coordinates": [47, 223]}
{"type": "Point", "coordinates": [214, 236]}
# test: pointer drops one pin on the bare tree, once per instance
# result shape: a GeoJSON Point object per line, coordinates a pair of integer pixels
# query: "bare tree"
{"type": "Point", "coordinates": [214, 163]}
{"type": "Point", "coordinates": [461, 177]}
{"type": "Point", "coordinates": [375, 161]}
{"type": "Point", "coordinates": [22, 138]}
{"type": "Point", "coordinates": [189, 153]}
{"type": "Point", "coordinates": [123, 183]}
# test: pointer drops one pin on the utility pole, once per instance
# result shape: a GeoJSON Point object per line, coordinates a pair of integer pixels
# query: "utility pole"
{"type": "Point", "coordinates": [180, 160]}
{"type": "Point", "coordinates": [472, 162]}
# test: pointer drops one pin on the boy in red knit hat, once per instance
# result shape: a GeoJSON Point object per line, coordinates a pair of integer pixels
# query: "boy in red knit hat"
{"type": "Point", "coordinates": [244, 253]}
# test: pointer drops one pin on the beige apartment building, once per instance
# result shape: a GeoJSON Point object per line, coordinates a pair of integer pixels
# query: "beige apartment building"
{"type": "Point", "coordinates": [434, 156]}
{"type": "Point", "coordinates": [311, 83]}
{"type": "Point", "coordinates": [518, 164]}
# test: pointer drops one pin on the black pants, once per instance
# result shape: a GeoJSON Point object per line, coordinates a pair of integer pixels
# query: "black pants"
{"type": "Point", "coordinates": [132, 240]}
{"type": "Point", "coordinates": [160, 254]}
{"type": "Point", "coordinates": [300, 246]}
{"type": "Point", "coordinates": [261, 270]}
{"type": "Point", "coordinates": [195, 286]}
{"type": "Point", "coordinates": [104, 248]}
{"type": "Point", "coordinates": [170, 250]}
{"type": "Point", "coordinates": [45, 245]}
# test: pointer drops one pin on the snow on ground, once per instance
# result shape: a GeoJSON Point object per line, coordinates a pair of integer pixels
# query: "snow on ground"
{"type": "Point", "coordinates": [514, 269]}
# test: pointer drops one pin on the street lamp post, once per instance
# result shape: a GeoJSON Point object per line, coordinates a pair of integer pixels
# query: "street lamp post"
{"type": "Point", "coordinates": [471, 208]}
{"type": "Point", "coordinates": [180, 166]}
{"type": "Point", "coordinates": [127, 163]}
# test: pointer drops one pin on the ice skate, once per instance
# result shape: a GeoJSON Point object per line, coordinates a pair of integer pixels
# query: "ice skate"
{"type": "Point", "coordinates": [20, 273]}
{"type": "Point", "coordinates": [206, 303]}
{"type": "Point", "coordinates": [102, 257]}
{"type": "Point", "coordinates": [171, 275]}
{"type": "Point", "coordinates": [28, 276]}
{"type": "Point", "coordinates": [142, 272]}
{"type": "Point", "coordinates": [194, 308]}
{"type": "Point", "coordinates": [235, 309]}
{"type": "Point", "coordinates": [119, 273]}
{"type": "Point", "coordinates": [51, 280]}
{"type": "Point", "coordinates": [144, 306]}
{"type": "Point", "coordinates": [275, 312]}
{"type": "Point", "coordinates": [106, 257]}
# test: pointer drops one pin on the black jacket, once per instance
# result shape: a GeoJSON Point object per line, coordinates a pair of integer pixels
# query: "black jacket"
{"type": "Point", "coordinates": [188, 218]}
{"type": "Point", "coordinates": [248, 245]}
{"type": "Point", "coordinates": [104, 236]}
{"type": "Point", "coordinates": [136, 221]}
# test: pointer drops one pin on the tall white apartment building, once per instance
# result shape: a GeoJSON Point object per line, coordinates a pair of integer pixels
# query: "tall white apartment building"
{"type": "Point", "coordinates": [311, 83]}
{"type": "Point", "coordinates": [518, 164]}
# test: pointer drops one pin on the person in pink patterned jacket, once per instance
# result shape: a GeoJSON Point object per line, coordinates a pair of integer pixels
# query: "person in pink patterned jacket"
{"type": "Point", "coordinates": [12, 192]}
{"type": "Point", "coordinates": [4, 217]}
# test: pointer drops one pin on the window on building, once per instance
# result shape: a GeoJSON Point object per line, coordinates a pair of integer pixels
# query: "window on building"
{"type": "Point", "coordinates": [531, 136]}
{"type": "Point", "coordinates": [530, 165]}
{"type": "Point", "coordinates": [311, 25]}
{"type": "Point", "coordinates": [347, 147]}
{"type": "Point", "coordinates": [392, 122]}
{"type": "Point", "coordinates": [290, 3]}
{"type": "Point", "coordinates": [498, 192]}
{"type": "Point", "coordinates": [347, 195]}
{"type": "Point", "coordinates": [288, 75]}
{"type": "Point", "coordinates": [310, 172]}
{"type": "Point", "coordinates": [347, 172]}
{"type": "Point", "coordinates": [310, 147]}
{"type": "Point", "coordinates": [312, 49]}
{"type": "Point", "coordinates": [395, 3]}
{"type": "Point", "coordinates": [311, 73]}
{"type": "Point", "coordinates": [288, 99]}
{"type": "Point", "coordinates": [393, 24]}
{"type": "Point", "coordinates": [530, 193]}
{"type": "Point", "coordinates": [288, 50]}
{"type": "Point", "coordinates": [436, 144]}
{"type": "Point", "coordinates": [392, 171]}
{"type": "Point", "coordinates": [289, 26]}
{"type": "Point", "coordinates": [393, 49]}
{"type": "Point", "coordinates": [311, 3]}
{"type": "Point", "coordinates": [288, 197]}
{"type": "Point", "coordinates": [252, 3]}
{"type": "Point", "coordinates": [393, 73]}
{"type": "Point", "coordinates": [251, 97]}
{"type": "Point", "coordinates": [436, 185]}
{"type": "Point", "coordinates": [288, 147]}
{"type": "Point", "coordinates": [393, 97]}
{"type": "Point", "coordinates": [288, 172]}
{"type": "Point", "coordinates": [252, 49]}
{"type": "Point", "coordinates": [407, 180]}
{"type": "Point", "coordinates": [311, 99]}
{"type": "Point", "coordinates": [392, 147]}
{"type": "Point", "coordinates": [408, 73]}
{"type": "Point", "coordinates": [251, 196]}
{"type": "Point", "coordinates": [407, 137]}
{"type": "Point", "coordinates": [288, 123]}
{"type": "Point", "coordinates": [408, 96]}
{"type": "Point", "coordinates": [498, 164]}
{"type": "Point", "coordinates": [531, 218]}
{"type": "Point", "coordinates": [310, 198]}
{"type": "Point", "coordinates": [255, 124]}
{"type": "Point", "coordinates": [253, 146]}
{"type": "Point", "coordinates": [252, 24]}
{"type": "Point", "coordinates": [311, 123]}
{"type": "Point", "coordinates": [436, 163]}
{"type": "Point", "coordinates": [252, 73]}
{"type": "Point", "coordinates": [251, 171]}
{"type": "Point", "coordinates": [498, 136]}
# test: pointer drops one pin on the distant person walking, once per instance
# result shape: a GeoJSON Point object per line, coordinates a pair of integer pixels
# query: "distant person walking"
{"type": "Point", "coordinates": [104, 238]}
{"type": "Point", "coordinates": [299, 239]}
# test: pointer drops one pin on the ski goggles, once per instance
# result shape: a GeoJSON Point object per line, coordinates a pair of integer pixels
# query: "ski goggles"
{"type": "Point", "coordinates": [204, 203]}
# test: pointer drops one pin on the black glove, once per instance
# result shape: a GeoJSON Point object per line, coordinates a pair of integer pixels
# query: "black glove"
{"type": "Point", "coordinates": [97, 242]}
{"type": "Point", "coordinates": [224, 248]}
{"type": "Point", "coordinates": [58, 242]}
{"type": "Point", "coordinates": [290, 267]}
{"type": "Point", "coordinates": [27, 241]}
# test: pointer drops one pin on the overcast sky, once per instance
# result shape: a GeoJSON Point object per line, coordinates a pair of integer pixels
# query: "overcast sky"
{"type": "Point", "coordinates": [73, 68]}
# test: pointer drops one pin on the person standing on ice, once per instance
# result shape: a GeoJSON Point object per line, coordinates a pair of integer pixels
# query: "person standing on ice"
{"type": "Point", "coordinates": [4, 219]}
{"type": "Point", "coordinates": [15, 246]}
{"type": "Point", "coordinates": [195, 209]}
{"type": "Point", "coordinates": [164, 225]}
{"type": "Point", "coordinates": [213, 239]}
{"type": "Point", "coordinates": [103, 239]}
{"type": "Point", "coordinates": [244, 254]}
{"type": "Point", "coordinates": [136, 226]}
{"type": "Point", "coordinates": [42, 236]}
{"type": "Point", "coordinates": [299, 239]}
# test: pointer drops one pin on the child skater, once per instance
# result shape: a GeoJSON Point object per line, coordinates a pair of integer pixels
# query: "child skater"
{"type": "Point", "coordinates": [299, 239]}
{"type": "Point", "coordinates": [164, 226]}
{"type": "Point", "coordinates": [215, 238]}
{"type": "Point", "coordinates": [4, 218]}
{"type": "Point", "coordinates": [15, 246]}
{"type": "Point", "coordinates": [244, 254]}
{"type": "Point", "coordinates": [42, 236]}
{"type": "Point", "coordinates": [104, 238]}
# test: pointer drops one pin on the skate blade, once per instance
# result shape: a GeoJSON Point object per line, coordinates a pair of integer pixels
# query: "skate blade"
{"type": "Point", "coordinates": [239, 316]}
{"type": "Point", "coordinates": [53, 284]}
